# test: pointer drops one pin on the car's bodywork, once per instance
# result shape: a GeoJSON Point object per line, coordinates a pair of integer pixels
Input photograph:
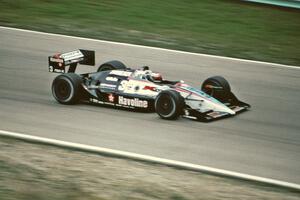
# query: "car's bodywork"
{"type": "Point", "coordinates": [123, 87]}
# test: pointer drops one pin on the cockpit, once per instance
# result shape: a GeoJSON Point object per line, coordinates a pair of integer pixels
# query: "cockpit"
{"type": "Point", "coordinates": [144, 73]}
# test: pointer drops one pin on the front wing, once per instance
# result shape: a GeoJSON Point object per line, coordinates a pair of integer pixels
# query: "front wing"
{"type": "Point", "coordinates": [212, 115]}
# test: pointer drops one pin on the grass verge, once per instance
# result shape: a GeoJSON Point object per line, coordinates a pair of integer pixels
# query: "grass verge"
{"type": "Point", "coordinates": [219, 27]}
{"type": "Point", "coordinates": [33, 171]}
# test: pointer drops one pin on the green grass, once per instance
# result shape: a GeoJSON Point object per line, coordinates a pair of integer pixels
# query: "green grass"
{"type": "Point", "coordinates": [220, 27]}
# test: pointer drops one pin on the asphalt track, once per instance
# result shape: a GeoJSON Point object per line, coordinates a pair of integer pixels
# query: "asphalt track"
{"type": "Point", "coordinates": [262, 142]}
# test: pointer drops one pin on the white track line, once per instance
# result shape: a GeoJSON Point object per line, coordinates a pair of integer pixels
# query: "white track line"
{"type": "Point", "coordinates": [155, 48]}
{"type": "Point", "coordinates": [152, 159]}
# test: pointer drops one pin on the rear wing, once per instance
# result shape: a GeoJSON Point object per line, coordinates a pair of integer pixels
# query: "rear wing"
{"type": "Point", "coordinates": [59, 62]}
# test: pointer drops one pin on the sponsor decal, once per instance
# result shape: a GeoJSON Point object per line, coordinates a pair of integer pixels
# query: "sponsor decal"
{"type": "Point", "coordinates": [120, 73]}
{"type": "Point", "coordinates": [72, 55]}
{"type": "Point", "coordinates": [52, 69]}
{"type": "Point", "coordinates": [136, 102]}
{"type": "Point", "coordinates": [109, 78]}
{"type": "Point", "coordinates": [107, 86]}
{"type": "Point", "coordinates": [56, 60]}
{"type": "Point", "coordinates": [151, 88]}
{"type": "Point", "coordinates": [92, 100]}
{"type": "Point", "coordinates": [213, 87]}
{"type": "Point", "coordinates": [95, 100]}
{"type": "Point", "coordinates": [59, 70]}
{"type": "Point", "coordinates": [73, 61]}
{"type": "Point", "coordinates": [216, 114]}
{"type": "Point", "coordinates": [111, 98]}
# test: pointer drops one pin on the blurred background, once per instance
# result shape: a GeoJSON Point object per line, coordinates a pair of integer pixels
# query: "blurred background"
{"type": "Point", "coordinates": [242, 29]}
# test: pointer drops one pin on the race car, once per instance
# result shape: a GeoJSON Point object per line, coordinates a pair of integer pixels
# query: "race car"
{"type": "Point", "coordinates": [116, 85]}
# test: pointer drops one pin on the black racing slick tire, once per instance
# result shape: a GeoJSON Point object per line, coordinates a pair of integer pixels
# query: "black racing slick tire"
{"type": "Point", "coordinates": [169, 104]}
{"type": "Point", "coordinates": [67, 88]}
{"type": "Point", "coordinates": [111, 65]}
{"type": "Point", "coordinates": [217, 87]}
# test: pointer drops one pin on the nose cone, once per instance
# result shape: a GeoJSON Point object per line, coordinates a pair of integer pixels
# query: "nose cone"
{"type": "Point", "coordinates": [231, 111]}
{"type": "Point", "coordinates": [224, 108]}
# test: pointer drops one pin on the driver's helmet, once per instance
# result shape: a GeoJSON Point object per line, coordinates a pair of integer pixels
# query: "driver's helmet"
{"type": "Point", "coordinates": [155, 77]}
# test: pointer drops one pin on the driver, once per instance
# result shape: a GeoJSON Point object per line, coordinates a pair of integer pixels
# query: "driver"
{"type": "Point", "coordinates": [146, 73]}
{"type": "Point", "coordinates": [155, 77]}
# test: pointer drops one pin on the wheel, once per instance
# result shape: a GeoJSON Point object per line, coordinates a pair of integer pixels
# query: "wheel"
{"type": "Point", "coordinates": [111, 65]}
{"type": "Point", "coordinates": [169, 104]}
{"type": "Point", "coordinates": [217, 87]}
{"type": "Point", "coordinates": [67, 88]}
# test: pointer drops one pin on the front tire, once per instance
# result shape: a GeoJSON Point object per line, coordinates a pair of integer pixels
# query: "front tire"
{"type": "Point", "coordinates": [169, 104]}
{"type": "Point", "coordinates": [67, 88]}
{"type": "Point", "coordinates": [217, 87]}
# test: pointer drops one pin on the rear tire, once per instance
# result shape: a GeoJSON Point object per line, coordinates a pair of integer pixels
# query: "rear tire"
{"type": "Point", "coordinates": [111, 65]}
{"type": "Point", "coordinates": [169, 104]}
{"type": "Point", "coordinates": [217, 87]}
{"type": "Point", "coordinates": [67, 88]}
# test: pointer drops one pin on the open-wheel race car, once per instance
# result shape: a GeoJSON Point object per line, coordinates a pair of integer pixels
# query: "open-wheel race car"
{"type": "Point", "coordinates": [116, 85]}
